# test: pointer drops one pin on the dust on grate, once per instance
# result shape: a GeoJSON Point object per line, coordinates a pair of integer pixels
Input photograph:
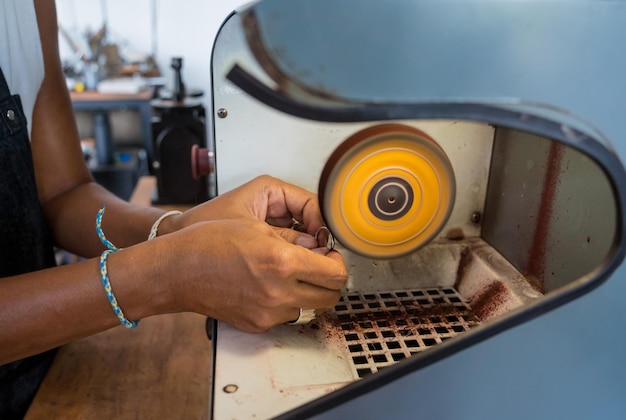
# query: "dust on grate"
{"type": "Point", "coordinates": [385, 327]}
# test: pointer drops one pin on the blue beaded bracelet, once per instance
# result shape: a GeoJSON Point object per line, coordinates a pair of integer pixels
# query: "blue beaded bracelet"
{"type": "Point", "coordinates": [104, 275]}
{"type": "Point", "coordinates": [107, 289]}
{"type": "Point", "coordinates": [100, 233]}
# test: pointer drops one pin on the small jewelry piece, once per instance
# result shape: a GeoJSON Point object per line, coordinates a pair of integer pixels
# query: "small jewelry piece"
{"type": "Point", "coordinates": [304, 317]}
{"type": "Point", "coordinates": [155, 226]}
{"type": "Point", "coordinates": [296, 225]}
{"type": "Point", "coordinates": [331, 238]}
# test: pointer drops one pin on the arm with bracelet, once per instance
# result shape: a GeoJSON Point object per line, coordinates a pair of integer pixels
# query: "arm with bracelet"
{"type": "Point", "coordinates": [233, 258]}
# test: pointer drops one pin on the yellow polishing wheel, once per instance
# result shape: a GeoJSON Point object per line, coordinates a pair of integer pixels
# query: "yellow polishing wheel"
{"type": "Point", "coordinates": [386, 191]}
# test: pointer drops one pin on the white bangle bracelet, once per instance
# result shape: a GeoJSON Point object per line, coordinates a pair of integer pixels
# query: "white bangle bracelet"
{"type": "Point", "coordinates": [155, 226]}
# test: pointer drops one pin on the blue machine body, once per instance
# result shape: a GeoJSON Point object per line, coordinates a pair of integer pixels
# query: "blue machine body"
{"type": "Point", "coordinates": [560, 64]}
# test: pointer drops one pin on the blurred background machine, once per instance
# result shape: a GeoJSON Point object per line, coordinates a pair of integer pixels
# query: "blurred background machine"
{"type": "Point", "coordinates": [479, 210]}
{"type": "Point", "coordinates": [179, 124]}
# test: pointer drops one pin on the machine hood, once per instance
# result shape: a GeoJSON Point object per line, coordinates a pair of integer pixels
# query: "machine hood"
{"type": "Point", "coordinates": [348, 52]}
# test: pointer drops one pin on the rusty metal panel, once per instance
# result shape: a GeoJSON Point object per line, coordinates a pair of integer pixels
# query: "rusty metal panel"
{"type": "Point", "coordinates": [550, 209]}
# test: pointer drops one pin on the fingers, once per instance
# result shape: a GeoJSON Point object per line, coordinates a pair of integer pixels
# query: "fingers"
{"type": "Point", "coordinates": [261, 322]}
{"type": "Point", "coordinates": [323, 269]}
{"type": "Point", "coordinates": [265, 198]}
{"type": "Point", "coordinates": [288, 314]}
{"type": "Point", "coordinates": [288, 200]}
{"type": "Point", "coordinates": [322, 250]}
{"type": "Point", "coordinates": [297, 238]}
{"type": "Point", "coordinates": [308, 296]}
{"type": "Point", "coordinates": [262, 274]}
{"type": "Point", "coordinates": [303, 277]}
{"type": "Point", "coordinates": [317, 279]}
{"type": "Point", "coordinates": [321, 242]}
{"type": "Point", "coordinates": [307, 315]}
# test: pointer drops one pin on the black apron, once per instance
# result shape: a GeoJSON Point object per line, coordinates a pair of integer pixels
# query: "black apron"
{"type": "Point", "coordinates": [25, 243]}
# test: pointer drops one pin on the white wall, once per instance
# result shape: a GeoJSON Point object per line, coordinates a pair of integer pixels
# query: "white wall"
{"type": "Point", "coordinates": [168, 28]}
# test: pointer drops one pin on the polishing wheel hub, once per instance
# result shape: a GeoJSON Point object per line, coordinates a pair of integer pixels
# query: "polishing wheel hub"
{"type": "Point", "coordinates": [387, 190]}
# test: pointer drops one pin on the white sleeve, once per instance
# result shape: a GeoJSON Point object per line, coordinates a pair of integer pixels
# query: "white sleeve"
{"type": "Point", "coordinates": [21, 58]}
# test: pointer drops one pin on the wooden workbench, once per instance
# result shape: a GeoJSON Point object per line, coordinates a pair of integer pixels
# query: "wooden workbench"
{"type": "Point", "coordinates": [160, 370]}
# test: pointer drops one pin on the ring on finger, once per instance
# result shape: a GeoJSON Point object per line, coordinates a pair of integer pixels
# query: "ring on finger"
{"type": "Point", "coordinates": [304, 317]}
{"type": "Point", "coordinates": [330, 243]}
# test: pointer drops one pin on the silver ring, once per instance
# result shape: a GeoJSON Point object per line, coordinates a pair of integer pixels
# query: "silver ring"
{"type": "Point", "coordinates": [331, 238]}
{"type": "Point", "coordinates": [304, 317]}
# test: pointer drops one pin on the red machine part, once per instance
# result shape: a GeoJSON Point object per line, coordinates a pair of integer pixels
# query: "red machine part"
{"type": "Point", "coordinates": [202, 161]}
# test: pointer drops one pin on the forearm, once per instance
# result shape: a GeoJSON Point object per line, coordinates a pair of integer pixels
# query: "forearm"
{"type": "Point", "coordinates": [48, 308]}
{"type": "Point", "coordinates": [72, 216]}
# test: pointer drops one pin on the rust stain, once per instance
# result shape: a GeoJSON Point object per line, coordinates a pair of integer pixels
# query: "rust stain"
{"type": "Point", "coordinates": [537, 255]}
{"type": "Point", "coordinates": [464, 263]}
{"type": "Point", "coordinates": [488, 301]}
{"type": "Point", "coordinates": [535, 284]}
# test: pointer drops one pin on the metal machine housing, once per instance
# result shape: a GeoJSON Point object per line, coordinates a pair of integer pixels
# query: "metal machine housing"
{"type": "Point", "coordinates": [537, 222]}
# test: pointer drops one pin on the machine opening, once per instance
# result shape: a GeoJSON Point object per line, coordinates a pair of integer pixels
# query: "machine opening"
{"type": "Point", "coordinates": [533, 219]}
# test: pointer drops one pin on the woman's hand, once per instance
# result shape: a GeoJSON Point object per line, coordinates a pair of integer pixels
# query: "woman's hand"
{"type": "Point", "coordinates": [242, 271]}
{"type": "Point", "coordinates": [265, 199]}
{"type": "Point", "coordinates": [236, 259]}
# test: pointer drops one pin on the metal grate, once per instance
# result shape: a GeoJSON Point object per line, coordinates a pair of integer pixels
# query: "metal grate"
{"type": "Point", "coordinates": [385, 327]}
